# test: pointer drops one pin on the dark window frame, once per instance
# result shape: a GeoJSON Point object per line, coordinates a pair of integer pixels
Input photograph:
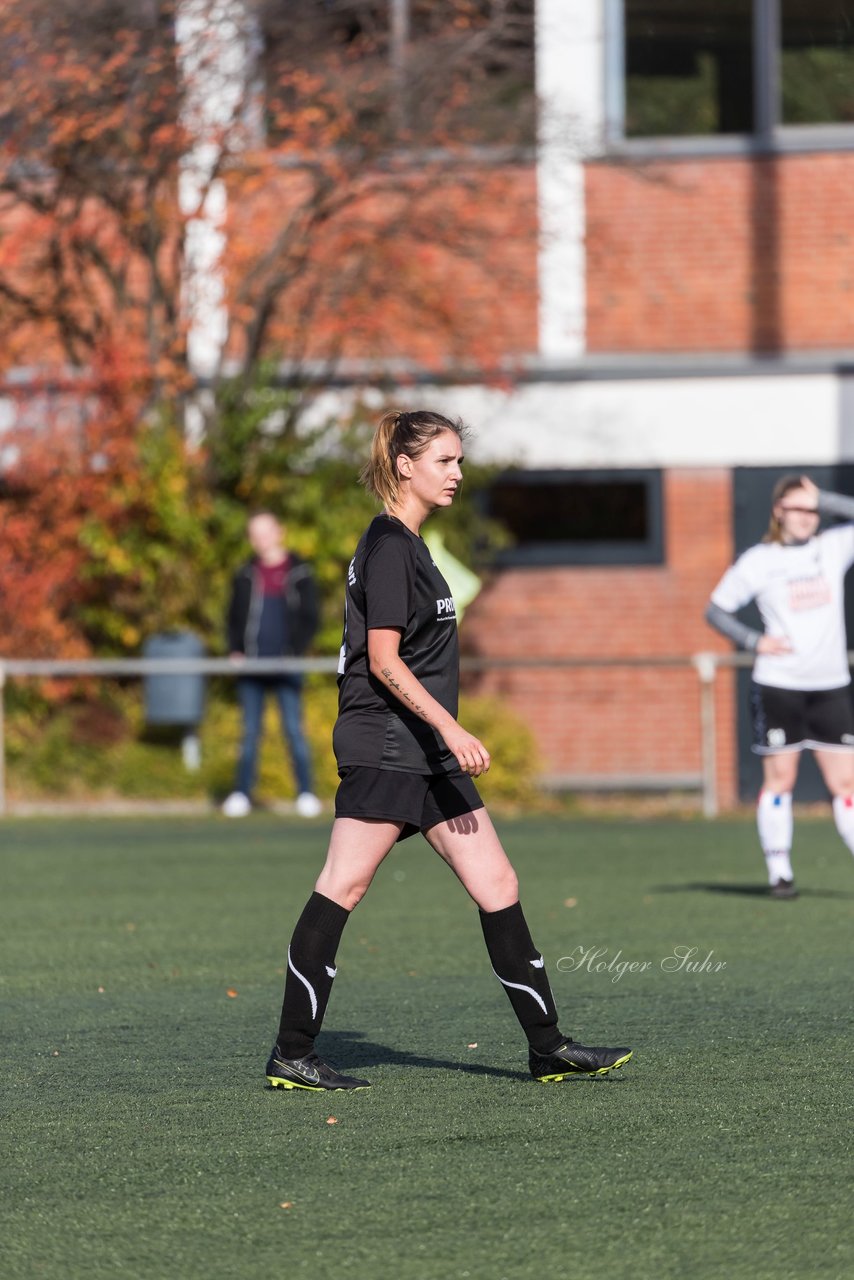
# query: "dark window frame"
{"type": "Point", "coordinates": [605, 554]}
{"type": "Point", "coordinates": [769, 133]}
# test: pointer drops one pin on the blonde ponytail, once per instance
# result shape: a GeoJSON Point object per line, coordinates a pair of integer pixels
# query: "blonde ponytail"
{"type": "Point", "coordinates": [379, 474]}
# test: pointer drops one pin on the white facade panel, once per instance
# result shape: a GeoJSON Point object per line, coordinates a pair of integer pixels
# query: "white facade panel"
{"type": "Point", "coordinates": [657, 422]}
{"type": "Point", "coordinates": [570, 60]}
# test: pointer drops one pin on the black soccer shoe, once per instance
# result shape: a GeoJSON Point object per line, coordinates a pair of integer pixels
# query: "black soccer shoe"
{"type": "Point", "coordinates": [572, 1059]}
{"type": "Point", "coordinates": [308, 1073]}
{"type": "Point", "coordinates": [783, 889]}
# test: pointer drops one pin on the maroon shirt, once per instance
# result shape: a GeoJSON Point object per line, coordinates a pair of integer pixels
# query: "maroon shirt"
{"type": "Point", "coordinates": [273, 622]}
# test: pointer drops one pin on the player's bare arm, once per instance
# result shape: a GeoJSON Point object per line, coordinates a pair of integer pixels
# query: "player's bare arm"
{"type": "Point", "coordinates": [402, 694]}
{"type": "Point", "coordinates": [387, 665]}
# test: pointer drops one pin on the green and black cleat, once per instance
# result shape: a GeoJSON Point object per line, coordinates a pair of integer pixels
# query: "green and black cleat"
{"type": "Point", "coordinates": [572, 1059]}
{"type": "Point", "coordinates": [783, 889]}
{"type": "Point", "coordinates": [308, 1073]}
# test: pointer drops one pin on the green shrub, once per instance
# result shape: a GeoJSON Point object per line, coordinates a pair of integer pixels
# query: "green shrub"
{"type": "Point", "coordinates": [161, 554]}
{"type": "Point", "coordinates": [512, 776]}
{"type": "Point", "coordinates": [101, 747]}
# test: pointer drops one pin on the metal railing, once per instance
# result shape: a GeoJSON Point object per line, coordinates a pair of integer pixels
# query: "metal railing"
{"type": "Point", "coordinates": [69, 668]}
{"type": "Point", "coordinates": [706, 666]}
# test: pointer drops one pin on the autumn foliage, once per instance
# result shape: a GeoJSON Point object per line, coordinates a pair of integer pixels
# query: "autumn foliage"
{"type": "Point", "coordinates": [378, 209]}
{"type": "Point", "coordinates": [89, 236]}
{"type": "Point", "coordinates": [53, 480]}
{"type": "Point", "coordinates": [364, 218]}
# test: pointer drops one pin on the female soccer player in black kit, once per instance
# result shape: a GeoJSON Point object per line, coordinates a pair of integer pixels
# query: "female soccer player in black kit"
{"type": "Point", "coordinates": [407, 765]}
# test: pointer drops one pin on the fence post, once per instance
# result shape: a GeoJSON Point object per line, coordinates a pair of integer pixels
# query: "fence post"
{"type": "Point", "coordinates": [2, 740]}
{"type": "Point", "coordinates": [706, 664]}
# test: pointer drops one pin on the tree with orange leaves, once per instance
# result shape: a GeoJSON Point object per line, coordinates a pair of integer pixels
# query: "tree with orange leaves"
{"type": "Point", "coordinates": [360, 197]}
{"type": "Point", "coordinates": [89, 237]}
{"type": "Point", "coordinates": [359, 212]}
{"type": "Point", "coordinates": [49, 490]}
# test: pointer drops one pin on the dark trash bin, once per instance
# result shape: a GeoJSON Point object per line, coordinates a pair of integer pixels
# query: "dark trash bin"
{"type": "Point", "coordinates": [174, 699]}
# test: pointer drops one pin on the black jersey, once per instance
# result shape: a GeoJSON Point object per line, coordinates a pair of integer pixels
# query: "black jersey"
{"type": "Point", "coordinates": [393, 582]}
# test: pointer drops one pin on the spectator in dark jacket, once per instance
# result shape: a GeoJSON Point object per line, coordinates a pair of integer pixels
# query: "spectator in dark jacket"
{"type": "Point", "coordinates": [272, 613]}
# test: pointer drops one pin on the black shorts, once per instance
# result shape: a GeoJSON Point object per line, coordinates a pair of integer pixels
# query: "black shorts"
{"type": "Point", "coordinates": [791, 719]}
{"type": "Point", "coordinates": [418, 800]}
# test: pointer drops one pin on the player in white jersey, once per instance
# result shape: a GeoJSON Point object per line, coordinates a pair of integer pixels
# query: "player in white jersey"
{"type": "Point", "coordinates": [800, 693]}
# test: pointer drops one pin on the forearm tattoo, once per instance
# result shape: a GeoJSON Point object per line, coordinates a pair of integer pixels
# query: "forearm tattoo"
{"type": "Point", "coordinates": [419, 711]}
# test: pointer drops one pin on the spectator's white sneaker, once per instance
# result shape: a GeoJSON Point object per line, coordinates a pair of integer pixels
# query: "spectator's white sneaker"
{"type": "Point", "coordinates": [237, 805]}
{"type": "Point", "coordinates": [308, 805]}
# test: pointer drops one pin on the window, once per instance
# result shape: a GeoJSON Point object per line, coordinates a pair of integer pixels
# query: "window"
{"type": "Point", "coordinates": [817, 62]}
{"type": "Point", "coordinates": [579, 517]}
{"type": "Point", "coordinates": [689, 67]}
{"type": "Point", "coordinates": [418, 70]}
{"type": "Point", "coordinates": [712, 68]}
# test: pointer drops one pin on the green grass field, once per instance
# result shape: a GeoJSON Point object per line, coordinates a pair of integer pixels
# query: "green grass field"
{"type": "Point", "coordinates": [144, 1142]}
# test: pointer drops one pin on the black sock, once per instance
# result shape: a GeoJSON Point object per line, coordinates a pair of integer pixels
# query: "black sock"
{"type": "Point", "coordinates": [519, 967]}
{"type": "Point", "coordinates": [310, 973]}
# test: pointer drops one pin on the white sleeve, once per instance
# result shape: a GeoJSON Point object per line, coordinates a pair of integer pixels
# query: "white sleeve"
{"type": "Point", "coordinates": [841, 538]}
{"type": "Point", "coordinates": [840, 505]}
{"type": "Point", "coordinates": [738, 586]}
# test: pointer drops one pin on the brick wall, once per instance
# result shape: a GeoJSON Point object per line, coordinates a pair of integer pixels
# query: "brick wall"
{"type": "Point", "coordinates": [617, 720]}
{"type": "Point", "coordinates": [439, 272]}
{"type": "Point", "coordinates": [721, 254]}
{"type": "Point", "coordinates": [694, 255]}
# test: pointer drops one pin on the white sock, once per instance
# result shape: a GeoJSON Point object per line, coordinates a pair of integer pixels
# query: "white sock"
{"type": "Point", "coordinates": [843, 812]}
{"type": "Point", "coordinates": [775, 823]}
